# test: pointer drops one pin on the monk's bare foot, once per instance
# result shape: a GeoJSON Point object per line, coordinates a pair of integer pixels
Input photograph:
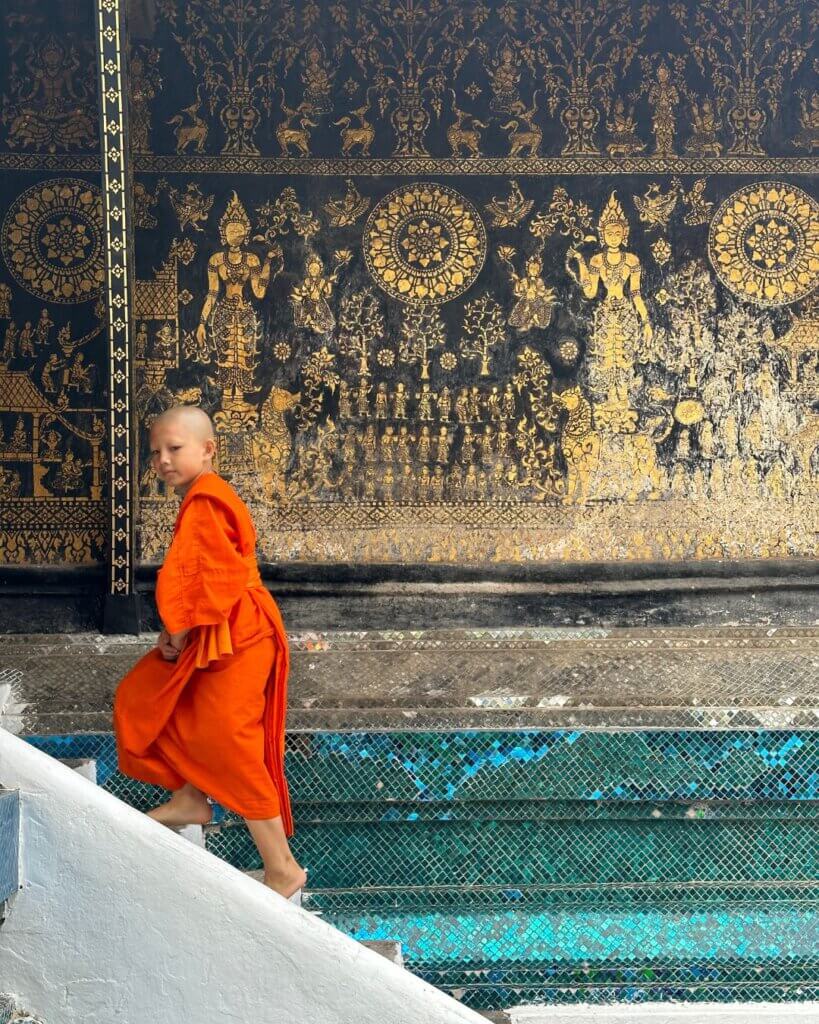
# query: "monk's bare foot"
{"type": "Point", "coordinates": [287, 882]}
{"type": "Point", "coordinates": [184, 808]}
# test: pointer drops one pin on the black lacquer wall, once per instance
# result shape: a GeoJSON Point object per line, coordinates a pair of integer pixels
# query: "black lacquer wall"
{"type": "Point", "coordinates": [53, 341]}
{"type": "Point", "coordinates": [461, 283]}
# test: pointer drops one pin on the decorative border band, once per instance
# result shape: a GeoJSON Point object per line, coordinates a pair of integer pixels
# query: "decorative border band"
{"type": "Point", "coordinates": [226, 163]}
{"type": "Point", "coordinates": [111, 57]}
{"type": "Point", "coordinates": [49, 162]}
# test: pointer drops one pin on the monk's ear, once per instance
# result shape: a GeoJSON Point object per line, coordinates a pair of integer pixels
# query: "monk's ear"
{"type": "Point", "coordinates": [210, 448]}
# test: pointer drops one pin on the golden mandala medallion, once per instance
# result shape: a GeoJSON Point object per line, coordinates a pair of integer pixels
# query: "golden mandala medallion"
{"type": "Point", "coordinates": [52, 240]}
{"type": "Point", "coordinates": [424, 244]}
{"type": "Point", "coordinates": [764, 243]}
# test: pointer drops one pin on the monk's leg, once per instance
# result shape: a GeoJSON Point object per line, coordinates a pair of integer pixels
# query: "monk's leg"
{"type": "Point", "coordinates": [282, 871]}
{"type": "Point", "coordinates": [187, 806]}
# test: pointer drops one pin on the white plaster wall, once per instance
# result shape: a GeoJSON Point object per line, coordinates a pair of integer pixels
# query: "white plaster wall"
{"type": "Point", "coordinates": [122, 920]}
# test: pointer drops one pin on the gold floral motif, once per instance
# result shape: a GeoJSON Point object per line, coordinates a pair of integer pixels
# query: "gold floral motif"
{"type": "Point", "coordinates": [661, 251]}
{"type": "Point", "coordinates": [764, 243]}
{"type": "Point", "coordinates": [424, 243]}
{"type": "Point", "coordinates": [52, 240]}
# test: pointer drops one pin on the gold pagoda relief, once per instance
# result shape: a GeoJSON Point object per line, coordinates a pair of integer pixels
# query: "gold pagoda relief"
{"type": "Point", "coordinates": [483, 374]}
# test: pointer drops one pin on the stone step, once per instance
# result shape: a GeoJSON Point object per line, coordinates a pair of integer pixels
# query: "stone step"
{"type": "Point", "coordinates": [394, 770]}
{"type": "Point", "coordinates": [445, 679]}
{"type": "Point", "coordinates": [552, 951]}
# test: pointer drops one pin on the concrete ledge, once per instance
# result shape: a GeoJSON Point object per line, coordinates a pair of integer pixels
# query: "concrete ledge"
{"type": "Point", "coordinates": [591, 678]}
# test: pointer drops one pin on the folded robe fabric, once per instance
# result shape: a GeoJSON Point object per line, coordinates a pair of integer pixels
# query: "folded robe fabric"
{"type": "Point", "coordinates": [216, 716]}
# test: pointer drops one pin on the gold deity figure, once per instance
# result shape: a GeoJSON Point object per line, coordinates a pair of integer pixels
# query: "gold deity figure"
{"type": "Point", "coordinates": [622, 127]}
{"type": "Point", "coordinates": [504, 70]}
{"type": "Point", "coordinates": [230, 320]}
{"type": "Point", "coordinates": [381, 402]}
{"type": "Point", "coordinates": [533, 307]}
{"type": "Point", "coordinates": [309, 299]}
{"type": "Point", "coordinates": [663, 97]}
{"type": "Point", "coordinates": [704, 141]}
{"type": "Point", "coordinates": [620, 327]}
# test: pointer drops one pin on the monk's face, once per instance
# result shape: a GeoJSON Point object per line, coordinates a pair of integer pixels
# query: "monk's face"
{"type": "Point", "coordinates": [179, 454]}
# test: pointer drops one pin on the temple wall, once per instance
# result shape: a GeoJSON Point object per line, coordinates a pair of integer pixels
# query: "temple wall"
{"type": "Point", "coordinates": [53, 342]}
{"type": "Point", "coordinates": [459, 284]}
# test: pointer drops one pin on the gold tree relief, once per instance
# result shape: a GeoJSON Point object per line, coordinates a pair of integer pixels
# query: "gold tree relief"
{"type": "Point", "coordinates": [687, 349]}
{"type": "Point", "coordinates": [745, 50]}
{"type": "Point", "coordinates": [319, 375]}
{"type": "Point", "coordinates": [361, 323]}
{"type": "Point", "coordinates": [582, 47]}
{"type": "Point", "coordinates": [422, 331]}
{"type": "Point", "coordinates": [407, 50]}
{"type": "Point", "coordinates": [484, 329]}
{"type": "Point", "coordinates": [232, 48]}
{"type": "Point", "coordinates": [533, 380]}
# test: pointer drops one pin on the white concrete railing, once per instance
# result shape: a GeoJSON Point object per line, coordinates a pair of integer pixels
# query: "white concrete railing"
{"type": "Point", "coordinates": [120, 919]}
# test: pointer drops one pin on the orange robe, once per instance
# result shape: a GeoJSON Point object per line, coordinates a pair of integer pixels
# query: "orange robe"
{"type": "Point", "coordinates": [215, 717]}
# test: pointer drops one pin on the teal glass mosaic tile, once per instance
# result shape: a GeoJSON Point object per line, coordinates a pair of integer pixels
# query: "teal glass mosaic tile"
{"type": "Point", "coordinates": [342, 856]}
{"type": "Point", "coordinates": [553, 866]}
{"type": "Point", "coordinates": [527, 764]}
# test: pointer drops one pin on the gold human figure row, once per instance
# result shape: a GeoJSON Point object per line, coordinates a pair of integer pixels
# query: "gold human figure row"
{"type": "Point", "coordinates": [376, 446]}
{"type": "Point", "coordinates": [448, 405]}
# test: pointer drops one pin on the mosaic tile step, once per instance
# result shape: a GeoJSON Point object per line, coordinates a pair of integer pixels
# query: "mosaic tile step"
{"type": "Point", "coordinates": [454, 899]}
{"type": "Point", "coordinates": [487, 995]}
{"type": "Point", "coordinates": [556, 866]}
{"type": "Point", "coordinates": [659, 952]}
{"type": "Point", "coordinates": [539, 852]}
{"type": "Point", "coordinates": [558, 945]}
{"type": "Point", "coordinates": [515, 765]}
{"type": "Point", "coordinates": [734, 677]}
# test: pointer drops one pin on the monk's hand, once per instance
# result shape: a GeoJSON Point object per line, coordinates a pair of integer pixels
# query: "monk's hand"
{"type": "Point", "coordinates": [166, 649]}
{"type": "Point", "coordinates": [178, 641]}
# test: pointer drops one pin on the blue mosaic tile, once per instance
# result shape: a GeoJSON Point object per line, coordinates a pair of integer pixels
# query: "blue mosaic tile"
{"type": "Point", "coordinates": [555, 866]}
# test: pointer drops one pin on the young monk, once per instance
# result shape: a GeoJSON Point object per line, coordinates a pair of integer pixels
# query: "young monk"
{"type": "Point", "coordinates": [204, 712]}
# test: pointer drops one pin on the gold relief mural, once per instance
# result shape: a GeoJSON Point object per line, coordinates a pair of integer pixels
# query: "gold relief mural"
{"type": "Point", "coordinates": [53, 414]}
{"type": "Point", "coordinates": [457, 282]}
{"type": "Point", "coordinates": [540, 414]}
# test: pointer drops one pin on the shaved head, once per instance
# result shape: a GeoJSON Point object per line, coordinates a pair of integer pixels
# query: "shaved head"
{"type": "Point", "coordinates": [193, 419]}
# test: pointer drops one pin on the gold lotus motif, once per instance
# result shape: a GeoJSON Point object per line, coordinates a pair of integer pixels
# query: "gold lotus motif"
{"type": "Point", "coordinates": [52, 240]}
{"type": "Point", "coordinates": [764, 244]}
{"type": "Point", "coordinates": [424, 243]}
